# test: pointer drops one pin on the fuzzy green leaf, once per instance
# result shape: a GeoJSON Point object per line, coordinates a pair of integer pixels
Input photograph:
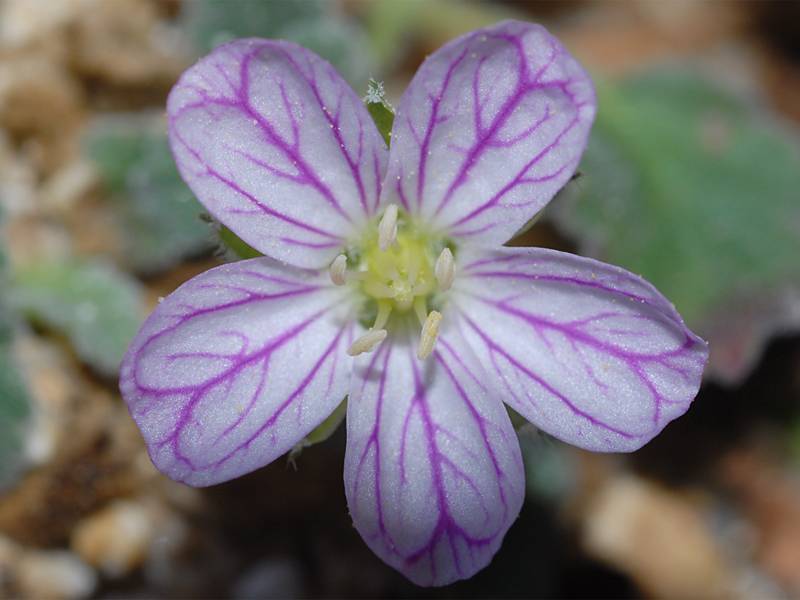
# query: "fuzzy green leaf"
{"type": "Point", "coordinates": [213, 22]}
{"type": "Point", "coordinates": [697, 191]}
{"type": "Point", "coordinates": [97, 307]}
{"type": "Point", "coordinates": [15, 408]}
{"type": "Point", "coordinates": [15, 404]}
{"type": "Point", "coordinates": [158, 215]}
{"type": "Point", "coordinates": [314, 24]}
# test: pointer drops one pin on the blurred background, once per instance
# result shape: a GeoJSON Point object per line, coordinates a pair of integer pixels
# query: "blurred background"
{"type": "Point", "coordinates": [692, 178]}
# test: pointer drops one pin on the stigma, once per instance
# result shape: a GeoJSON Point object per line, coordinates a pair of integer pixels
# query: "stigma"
{"type": "Point", "coordinates": [400, 273]}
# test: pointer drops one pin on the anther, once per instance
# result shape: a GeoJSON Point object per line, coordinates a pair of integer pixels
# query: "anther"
{"type": "Point", "coordinates": [445, 269]}
{"type": "Point", "coordinates": [430, 331]}
{"type": "Point", "coordinates": [387, 228]}
{"type": "Point", "coordinates": [338, 270]}
{"type": "Point", "coordinates": [367, 342]}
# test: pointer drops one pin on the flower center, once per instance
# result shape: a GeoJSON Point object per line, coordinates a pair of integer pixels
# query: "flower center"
{"type": "Point", "coordinates": [398, 270]}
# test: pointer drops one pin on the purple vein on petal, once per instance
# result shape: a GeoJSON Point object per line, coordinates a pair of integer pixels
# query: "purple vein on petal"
{"type": "Point", "coordinates": [262, 207]}
{"type": "Point", "coordinates": [267, 127]}
{"type": "Point", "coordinates": [227, 377]}
{"type": "Point", "coordinates": [453, 544]}
{"type": "Point", "coordinates": [432, 122]}
{"type": "Point", "coordinates": [567, 335]}
{"type": "Point", "coordinates": [446, 525]}
{"type": "Point", "coordinates": [496, 349]}
{"type": "Point", "coordinates": [334, 121]}
{"type": "Point", "coordinates": [492, 125]}
{"type": "Point", "coordinates": [291, 150]}
{"type": "Point", "coordinates": [373, 440]}
{"type": "Point", "coordinates": [327, 354]}
{"type": "Point", "coordinates": [485, 135]}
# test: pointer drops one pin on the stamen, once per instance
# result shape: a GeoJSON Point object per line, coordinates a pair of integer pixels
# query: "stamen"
{"type": "Point", "coordinates": [445, 269]}
{"type": "Point", "coordinates": [430, 331]}
{"type": "Point", "coordinates": [384, 310]}
{"type": "Point", "coordinates": [367, 342]}
{"type": "Point", "coordinates": [338, 270]}
{"type": "Point", "coordinates": [387, 228]}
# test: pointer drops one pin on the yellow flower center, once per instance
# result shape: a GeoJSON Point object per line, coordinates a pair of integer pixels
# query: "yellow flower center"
{"type": "Point", "coordinates": [401, 274]}
{"type": "Point", "coordinates": [397, 267]}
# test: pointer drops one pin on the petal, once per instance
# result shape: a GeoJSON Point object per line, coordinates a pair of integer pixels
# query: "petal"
{"type": "Point", "coordinates": [278, 147]}
{"type": "Point", "coordinates": [588, 352]}
{"type": "Point", "coordinates": [433, 473]}
{"type": "Point", "coordinates": [234, 368]}
{"type": "Point", "coordinates": [491, 127]}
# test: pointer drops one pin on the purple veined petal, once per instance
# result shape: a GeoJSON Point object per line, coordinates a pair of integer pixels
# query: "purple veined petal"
{"type": "Point", "coordinates": [588, 352]}
{"type": "Point", "coordinates": [235, 367]}
{"type": "Point", "coordinates": [278, 147]}
{"type": "Point", "coordinates": [433, 472]}
{"type": "Point", "coordinates": [490, 128]}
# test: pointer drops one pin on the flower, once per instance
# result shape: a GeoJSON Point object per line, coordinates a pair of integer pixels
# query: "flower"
{"type": "Point", "coordinates": [384, 280]}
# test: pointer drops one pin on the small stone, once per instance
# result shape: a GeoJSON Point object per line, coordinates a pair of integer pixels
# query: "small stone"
{"type": "Point", "coordinates": [54, 574]}
{"type": "Point", "coordinates": [68, 185]}
{"type": "Point", "coordinates": [659, 538]}
{"type": "Point", "coordinates": [17, 180]}
{"type": "Point", "coordinates": [116, 539]}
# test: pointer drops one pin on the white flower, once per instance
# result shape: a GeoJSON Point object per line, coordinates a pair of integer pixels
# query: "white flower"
{"type": "Point", "coordinates": [385, 280]}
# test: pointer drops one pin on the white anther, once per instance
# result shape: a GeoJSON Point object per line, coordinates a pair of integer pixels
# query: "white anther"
{"type": "Point", "coordinates": [445, 269]}
{"type": "Point", "coordinates": [367, 342]}
{"type": "Point", "coordinates": [338, 270]}
{"type": "Point", "coordinates": [387, 228]}
{"type": "Point", "coordinates": [430, 331]}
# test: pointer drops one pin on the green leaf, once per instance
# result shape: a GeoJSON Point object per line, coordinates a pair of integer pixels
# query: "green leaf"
{"type": "Point", "coordinates": [328, 427]}
{"type": "Point", "coordinates": [158, 215]}
{"type": "Point", "coordinates": [314, 24]}
{"type": "Point", "coordinates": [15, 403]}
{"type": "Point", "coordinates": [15, 409]}
{"type": "Point", "coordinates": [213, 22]}
{"type": "Point", "coordinates": [551, 469]}
{"type": "Point", "coordinates": [97, 307]}
{"type": "Point", "coordinates": [235, 244]}
{"type": "Point", "coordinates": [379, 109]}
{"type": "Point", "coordinates": [322, 432]}
{"type": "Point", "coordinates": [694, 189]}
{"type": "Point", "coordinates": [339, 41]}
{"type": "Point", "coordinates": [392, 24]}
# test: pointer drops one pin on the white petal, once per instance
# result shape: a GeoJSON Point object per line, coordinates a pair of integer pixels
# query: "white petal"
{"type": "Point", "coordinates": [433, 472]}
{"type": "Point", "coordinates": [490, 128]}
{"type": "Point", "coordinates": [235, 367]}
{"type": "Point", "coordinates": [278, 147]}
{"type": "Point", "coordinates": [588, 352]}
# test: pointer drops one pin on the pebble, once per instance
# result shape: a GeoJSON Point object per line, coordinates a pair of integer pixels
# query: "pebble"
{"type": "Point", "coordinates": [54, 575]}
{"type": "Point", "coordinates": [115, 540]}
